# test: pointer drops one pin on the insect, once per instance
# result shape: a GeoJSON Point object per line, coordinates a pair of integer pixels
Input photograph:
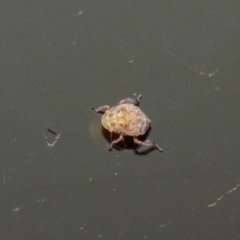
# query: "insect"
{"type": "Point", "coordinates": [126, 119]}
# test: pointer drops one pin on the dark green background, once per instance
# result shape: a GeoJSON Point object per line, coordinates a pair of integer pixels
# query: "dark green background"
{"type": "Point", "coordinates": [59, 58]}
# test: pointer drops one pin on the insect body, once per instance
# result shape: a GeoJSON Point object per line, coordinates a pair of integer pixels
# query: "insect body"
{"type": "Point", "coordinates": [126, 119]}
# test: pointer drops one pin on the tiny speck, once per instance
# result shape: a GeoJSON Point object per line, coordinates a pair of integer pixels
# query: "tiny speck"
{"type": "Point", "coordinates": [16, 209]}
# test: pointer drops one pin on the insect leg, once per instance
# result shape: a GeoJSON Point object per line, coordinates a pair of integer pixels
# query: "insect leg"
{"type": "Point", "coordinates": [101, 109]}
{"type": "Point", "coordinates": [132, 101]}
{"type": "Point", "coordinates": [116, 141]}
{"type": "Point", "coordinates": [148, 143]}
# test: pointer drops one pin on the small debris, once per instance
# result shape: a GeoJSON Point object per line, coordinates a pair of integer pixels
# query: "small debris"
{"type": "Point", "coordinates": [16, 209]}
{"type": "Point", "coordinates": [220, 198]}
{"type": "Point", "coordinates": [51, 131]}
